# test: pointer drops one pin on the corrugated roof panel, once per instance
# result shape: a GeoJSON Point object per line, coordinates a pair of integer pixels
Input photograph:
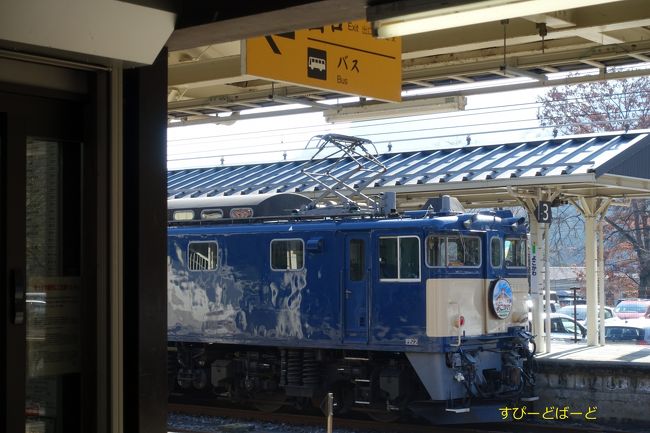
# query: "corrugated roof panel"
{"type": "Point", "coordinates": [615, 148]}
{"type": "Point", "coordinates": [559, 158]}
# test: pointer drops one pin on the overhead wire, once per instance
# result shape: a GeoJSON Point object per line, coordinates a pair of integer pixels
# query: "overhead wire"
{"type": "Point", "coordinates": [297, 144]}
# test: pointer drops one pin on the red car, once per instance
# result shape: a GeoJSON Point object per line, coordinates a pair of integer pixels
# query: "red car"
{"type": "Point", "coordinates": [632, 308]}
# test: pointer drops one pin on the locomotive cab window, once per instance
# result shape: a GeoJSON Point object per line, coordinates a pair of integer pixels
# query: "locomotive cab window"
{"type": "Point", "coordinates": [495, 252]}
{"type": "Point", "coordinates": [202, 256]}
{"type": "Point", "coordinates": [463, 251]}
{"type": "Point", "coordinates": [515, 253]}
{"type": "Point", "coordinates": [287, 254]}
{"type": "Point", "coordinates": [436, 251]}
{"type": "Point", "coordinates": [399, 258]}
{"type": "Point", "coordinates": [454, 251]}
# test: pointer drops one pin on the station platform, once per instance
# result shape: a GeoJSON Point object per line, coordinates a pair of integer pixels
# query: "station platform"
{"type": "Point", "coordinates": [628, 354]}
{"type": "Point", "coordinates": [611, 382]}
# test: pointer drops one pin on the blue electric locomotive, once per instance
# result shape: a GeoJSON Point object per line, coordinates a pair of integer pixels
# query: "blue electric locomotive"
{"type": "Point", "coordinates": [421, 312]}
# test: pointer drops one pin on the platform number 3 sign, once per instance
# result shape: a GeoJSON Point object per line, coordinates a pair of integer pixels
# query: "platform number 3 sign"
{"type": "Point", "coordinates": [544, 213]}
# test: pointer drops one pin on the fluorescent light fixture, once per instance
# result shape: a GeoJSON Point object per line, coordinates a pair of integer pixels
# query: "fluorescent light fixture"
{"type": "Point", "coordinates": [385, 110]}
{"type": "Point", "coordinates": [475, 12]}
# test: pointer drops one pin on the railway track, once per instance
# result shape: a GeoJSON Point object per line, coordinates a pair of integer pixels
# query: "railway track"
{"type": "Point", "coordinates": [238, 418]}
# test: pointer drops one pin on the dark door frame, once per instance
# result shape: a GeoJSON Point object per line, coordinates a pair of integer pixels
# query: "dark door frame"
{"type": "Point", "coordinates": [29, 112]}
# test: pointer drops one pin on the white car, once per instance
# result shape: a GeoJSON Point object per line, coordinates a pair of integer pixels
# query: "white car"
{"type": "Point", "coordinates": [630, 331]}
{"type": "Point", "coordinates": [564, 327]}
{"type": "Point", "coordinates": [581, 313]}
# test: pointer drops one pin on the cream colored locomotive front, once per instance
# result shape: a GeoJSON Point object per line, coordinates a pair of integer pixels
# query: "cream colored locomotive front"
{"type": "Point", "coordinates": [462, 306]}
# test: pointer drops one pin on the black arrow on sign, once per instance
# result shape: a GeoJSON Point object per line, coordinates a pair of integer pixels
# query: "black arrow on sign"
{"type": "Point", "coordinates": [274, 46]}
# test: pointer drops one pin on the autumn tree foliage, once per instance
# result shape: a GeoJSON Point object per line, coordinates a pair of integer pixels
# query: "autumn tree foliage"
{"type": "Point", "coordinates": [610, 106]}
{"type": "Point", "coordinates": [615, 105]}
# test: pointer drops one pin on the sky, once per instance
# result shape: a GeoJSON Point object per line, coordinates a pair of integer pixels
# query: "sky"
{"type": "Point", "coordinates": [487, 119]}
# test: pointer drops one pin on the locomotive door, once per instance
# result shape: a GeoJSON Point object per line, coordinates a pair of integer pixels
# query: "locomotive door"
{"type": "Point", "coordinates": [356, 281]}
{"type": "Point", "coordinates": [41, 231]}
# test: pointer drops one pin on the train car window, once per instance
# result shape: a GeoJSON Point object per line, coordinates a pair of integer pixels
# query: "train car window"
{"type": "Point", "coordinates": [202, 256]}
{"type": "Point", "coordinates": [211, 214]}
{"type": "Point", "coordinates": [183, 215]}
{"type": "Point", "coordinates": [495, 252]}
{"type": "Point", "coordinates": [388, 258]}
{"type": "Point", "coordinates": [399, 258]}
{"type": "Point", "coordinates": [436, 247]}
{"type": "Point", "coordinates": [463, 251]}
{"type": "Point", "coordinates": [515, 253]}
{"type": "Point", "coordinates": [357, 259]}
{"type": "Point", "coordinates": [287, 254]}
{"type": "Point", "coordinates": [409, 258]}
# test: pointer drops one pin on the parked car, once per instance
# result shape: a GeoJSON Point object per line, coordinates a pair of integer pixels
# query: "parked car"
{"type": "Point", "coordinates": [632, 308]}
{"type": "Point", "coordinates": [581, 313]}
{"type": "Point", "coordinates": [564, 327]}
{"type": "Point", "coordinates": [632, 331]}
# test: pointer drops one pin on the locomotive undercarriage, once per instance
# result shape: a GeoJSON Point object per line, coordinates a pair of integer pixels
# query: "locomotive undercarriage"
{"type": "Point", "coordinates": [385, 385]}
{"type": "Point", "coordinates": [268, 378]}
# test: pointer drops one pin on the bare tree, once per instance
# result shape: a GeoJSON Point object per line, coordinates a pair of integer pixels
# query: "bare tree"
{"type": "Point", "coordinates": [608, 106]}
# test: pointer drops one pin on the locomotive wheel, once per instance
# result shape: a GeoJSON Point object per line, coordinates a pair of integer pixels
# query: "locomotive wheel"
{"type": "Point", "coordinates": [384, 416]}
{"type": "Point", "coordinates": [269, 402]}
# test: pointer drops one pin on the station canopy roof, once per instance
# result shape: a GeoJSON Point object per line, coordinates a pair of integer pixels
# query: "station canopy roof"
{"type": "Point", "coordinates": [613, 165]}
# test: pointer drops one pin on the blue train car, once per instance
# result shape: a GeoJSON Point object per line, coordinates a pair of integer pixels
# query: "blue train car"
{"type": "Point", "coordinates": [421, 313]}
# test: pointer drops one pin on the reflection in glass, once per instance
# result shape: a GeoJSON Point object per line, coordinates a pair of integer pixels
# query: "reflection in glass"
{"type": "Point", "coordinates": [53, 237]}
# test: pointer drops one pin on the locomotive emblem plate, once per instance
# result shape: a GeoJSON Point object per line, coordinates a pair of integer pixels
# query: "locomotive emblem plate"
{"type": "Point", "coordinates": [501, 297]}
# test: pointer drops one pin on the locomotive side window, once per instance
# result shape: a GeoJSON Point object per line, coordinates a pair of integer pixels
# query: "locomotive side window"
{"type": "Point", "coordinates": [202, 256]}
{"type": "Point", "coordinates": [211, 214]}
{"type": "Point", "coordinates": [495, 252]}
{"type": "Point", "coordinates": [357, 259]}
{"type": "Point", "coordinates": [453, 251]}
{"type": "Point", "coordinates": [183, 215]}
{"type": "Point", "coordinates": [436, 246]}
{"type": "Point", "coordinates": [463, 251]}
{"type": "Point", "coordinates": [515, 253]}
{"type": "Point", "coordinates": [287, 254]}
{"type": "Point", "coordinates": [399, 258]}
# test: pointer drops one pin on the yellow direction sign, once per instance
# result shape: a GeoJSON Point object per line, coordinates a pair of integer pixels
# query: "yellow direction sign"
{"type": "Point", "coordinates": [341, 57]}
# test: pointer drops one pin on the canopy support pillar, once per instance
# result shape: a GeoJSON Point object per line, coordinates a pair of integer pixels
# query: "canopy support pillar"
{"type": "Point", "coordinates": [593, 209]}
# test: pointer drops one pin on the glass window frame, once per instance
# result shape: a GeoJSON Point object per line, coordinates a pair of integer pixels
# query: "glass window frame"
{"type": "Point", "coordinates": [360, 275]}
{"type": "Point", "coordinates": [446, 238]}
{"type": "Point", "coordinates": [179, 212]}
{"type": "Point", "coordinates": [500, 252]}
{"type": "Point", "coordinates": [525, 255]}
{"type": "Point", "coordinates": [218, 262]}
{"type": "Point", "coordinates": [426, 262]}
{"type": "Point", "coordinates": [302, 242]}
{"type": "Point", "coordinates": [205, 213]}
{"type": "Point", "coordinates": [463, 236]}
{"type": "Point", "coordinates": [399, 262]}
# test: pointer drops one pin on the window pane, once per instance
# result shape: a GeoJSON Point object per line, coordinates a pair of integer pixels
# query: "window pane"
{"type": "Point", "coordinates": [202, 256]}
{"type": "Point", "coordinates": [515, 252]}
{"type": "Point", "coordinates": [357, 259]}
{"type": "Point", "coordinates": [464, 251]}
{"type": "Point", "coordinates": [472, 249]}
{"type": "Point", "coordinates": [388, 257]}
{"type": "Point", "coordinates": [409, 258]}
{"type": "Point", "coordinates": [436, 251]}
{"type": "Point", "coordinates": [287, 254]}
{"type": "Point", "coordinates": [211, 214]}
{"type": "Point", "coordinates": [495, 248]}
{"type": "Point", "coordinates": [183, 215]}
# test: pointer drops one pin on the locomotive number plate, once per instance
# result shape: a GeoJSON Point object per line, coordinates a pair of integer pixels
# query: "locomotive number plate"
{"type": "Point", "coordinates": [411, 341]}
